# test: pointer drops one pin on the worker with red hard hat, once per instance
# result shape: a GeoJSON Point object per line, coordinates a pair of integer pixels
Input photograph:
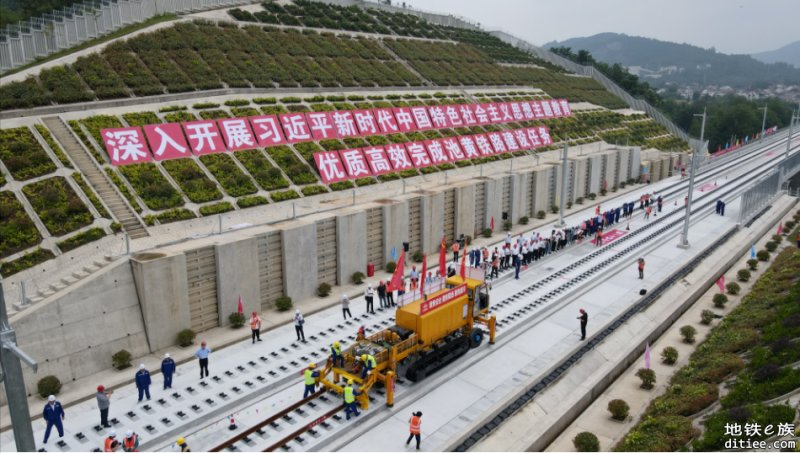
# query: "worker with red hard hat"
{"type": "Point", "coordinates": [103, 404]}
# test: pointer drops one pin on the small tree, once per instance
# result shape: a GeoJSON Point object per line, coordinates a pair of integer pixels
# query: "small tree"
{"type": "Point", "coordinates": [603, 192]}
{"type": "Point", "coordinates": [186, 337]}
{"type": "Point", "coordinates": [743, 275]}
{"type": "Point", "coordinates": [762, 255]}
{"type": "Point", "coordinates": [733, 288]}
{"type": "Point", "coordinates": [579, 200]}
{"type": "Point", "coordinates": [236, 319]}
{"type": "Point", "coordinates": [540, 214]}
{"type": "Point", "coordinates": [48, 385]}
{"type": "Point", "coordinates": [121, 359]}
{"type": "Point", "coordinates": [554, 209]}
{"type": "Point", "coordinates": [669, 355]}
{"type": "Point", "coordinates": [358, 278]}
{"type": "Point", "coordinates": [592, 196]}
{"type": "Point", "coordinates": [619, 409]}
{"type": "Point", "coordinates": [323, 289]}
{"type": "Point", "coordinates": [688, 333]}
{"type": "Point", "coordinates": [752, 264]}
{"type": "Point", "coordinates": [648, 378]}
{"type": "Point", "coordinates": [569, 205]}
{"type": "Point", "coordinates": [283, 303]}
{"type": "Point", "coordinates": [586, 441]}
{"type": "Point", "coordinates": [719, 300]}
{"type": "Point", "coordinates": [390, 266]}
{"type": "Point", "coordinates": [777, 238]}
{"type": "Point", "coordinates": [706, 316]}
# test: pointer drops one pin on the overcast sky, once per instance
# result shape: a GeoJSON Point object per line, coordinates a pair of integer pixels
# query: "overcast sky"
{"type": "Point", "coordinates": [730, 26]}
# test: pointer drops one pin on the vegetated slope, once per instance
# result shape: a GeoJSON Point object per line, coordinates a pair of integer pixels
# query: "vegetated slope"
{"type": "Point", "coordinates": [691, 64]}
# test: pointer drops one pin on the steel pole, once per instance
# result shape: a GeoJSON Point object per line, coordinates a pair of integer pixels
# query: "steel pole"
{"type": "Point", "coordinates": [791, 131]}
{"type": "Point", "coordinates": [684, 242]}
{"type": "Point", "coordinates": [14, 383]}
{"type": "Point", "coordinates": [763, 121]}
{"type": "Point", "coordinates": [564, 174]}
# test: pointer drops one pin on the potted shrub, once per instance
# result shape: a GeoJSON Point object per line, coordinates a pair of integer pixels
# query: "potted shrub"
{"type": "Point", "coordinates": [648, 378]}
{"type": "Point", "coordinates": [586, 441]}
{"type": "Point", "coordinates": [283, 303]}
{"type": "Point", "coordinates": [569, 205]}
{"type": "Point", "coordinates": [323, 289]}
{"type": "Point", "coordinates": [540, 214]}
{"type": "Point", "coordinates": [507, 225]}
{"type": "Point", "coordinates": [487, 232]}
{"type": "Point", "coordinates": [554, 209]}
{"type": "Point", "coordinates": [752, 264]}
{"type": "Point", "coordinates": [186, 337]}
{"type": "Point", "coordinates": [603, 192]}
{"type": "Point", "coordinates": [771, 246]}
{"type": "Point", "coordinates": [706, 316]}
{"type": "Point", "coordinates": [688, 333]}
{"type": "Point", "coordinates": [236, 319]}
{"type": "Point", "coordinates": [390, 266]}
{"type": "Point", "coordinates": [619, 409]}
{"type": "Point", "coordinates": [417, 256]}
{"type": "Point", "coordinates": [357, 278]}
{"type": "Point", "coordinates": [523, 220]}
{"type": "Point", "coordinates": [762, 255]}
{"type": "Point", "coordinates": [121, 359]}
{"type": "Point", "coordinates": [720, 300]}
{"type": "Point", "coordinates": [743, 275]}
{"type": "Point", "coordinates": [48, 385]}
{"type": "Point", "coordinates": [592, 196]}
{"type": "Point", "coordinates": [733, 288]}
{"type": "Point", "coordinates": [669, 355]}
{"type": "Point", "coordinates": [777, 238]}
{"type": "Point", "coordinates": [579, 200]}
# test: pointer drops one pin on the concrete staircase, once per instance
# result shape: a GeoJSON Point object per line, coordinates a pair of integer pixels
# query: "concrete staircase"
{"type": "Point", "coordinates": [112, 199]}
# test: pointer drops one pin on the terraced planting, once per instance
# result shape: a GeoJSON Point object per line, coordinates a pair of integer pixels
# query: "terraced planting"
{"type": "Point", "coordinates": [751, 355]}
{"type": "Point", "coordinates": [57, 205]}
{"type": "Point", "coordinates": [22, 155]}
{"type": "Point", "coordinates": [17, 230]}
{"type": "Point", "coordinates": [151, 186]}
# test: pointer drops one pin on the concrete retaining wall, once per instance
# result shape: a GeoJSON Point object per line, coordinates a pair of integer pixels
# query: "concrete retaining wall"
{"type": "Point", "coordinates": [141, 304]}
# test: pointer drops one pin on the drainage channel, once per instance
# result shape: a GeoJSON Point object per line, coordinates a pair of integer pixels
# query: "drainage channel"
{"type": "Point", "coordinates": [565, 365]}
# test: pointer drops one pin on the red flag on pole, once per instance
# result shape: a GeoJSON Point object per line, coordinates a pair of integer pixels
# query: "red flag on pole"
{"type": "Point", "coordinates": [394, 283]}
{"type": "Point", "coordinates": [491, 224]}
{"type": "Point", "coordinates": [443, 258]}
{"type": "Point", "coordinates": [647, 356]}
{"type": "Point", "coordinates": [721, 283]}
{"type": "Point", "coordinates": [424, 274]}
{"type": "Point", "coordinates": [780, 228]}
{"type": "Point", "coordinates": [463, 271]}
{"type": "Point", "coordinates": [240, 308]}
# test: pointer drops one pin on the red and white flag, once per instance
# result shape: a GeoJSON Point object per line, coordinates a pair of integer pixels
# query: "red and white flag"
{"type": "Point", "coordinates": [443, 258]}
{"type": "Point", "coordinates": [647, 356]}
{"type": "Point", "coordinates": [463, 270]}
{"type": "Point", "coordinates": [721, 283]}
{"type": "Point", "coordinates": [491, 224]}
{"type": "Point", "coordinates": [240, 308]}
{"type": "Point", "coordinates": [397, 277]}
{"type": "Point", "coordinates": [780, 228]}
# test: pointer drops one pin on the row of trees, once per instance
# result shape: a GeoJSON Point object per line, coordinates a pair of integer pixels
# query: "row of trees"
{"type": "Point", "coordinates": [730, 118]}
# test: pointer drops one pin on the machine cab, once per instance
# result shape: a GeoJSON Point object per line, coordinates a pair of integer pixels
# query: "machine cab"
{"type": "Point", "coordinates": [477, 290]}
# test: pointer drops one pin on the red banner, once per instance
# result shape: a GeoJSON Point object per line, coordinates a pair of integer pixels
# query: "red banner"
{"type": "Point", "coordinates": [295, 127]}
{"type": "Point", "coordinates": [377, 160]}
{"type": "Point", "coordinates": [330, 167]}
{"type": "Point", "coordinates": [438, 117]}
{"type": "Point", "coordinates": [421, 118]}
{"type": "Point", "coordinates": [267, 130]}
{"type": "Point", "coordinates": [437, 152]}
{"type": "Point", "coordinates": [496, 139]}
{"type": "Point", "coordinates": [166, 141]}
{"type": "Point", "coordinates": [204, 137]}
{"type": "Point", "coordinates": [442, 299]}
{"type": "Point", "coordinates": [404, 118]}
{"type": "Point", "coordinates": [354, 163]}
{"type": "Point", "coordinates": [396, 153]}
{"type": "Point", "coordinates": [237, 134]}
{"type": "Point", "coordinates": [321, 125]}
{"type": "Point", "coordinates": [344, 124]}
{"type": "Point", "coordinates": [386, 121]}
{"type": "Point", "coordinates": [469, 147]}
{"type": "Point", "coordinates": [419, 156]}
{"type": "Point", "coordinates": [365, 121]}
{"type": "Point", "coordinates": [125, 145]}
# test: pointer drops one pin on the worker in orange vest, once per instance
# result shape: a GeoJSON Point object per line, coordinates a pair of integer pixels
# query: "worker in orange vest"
{"type": "Point", "coordinates": [414, 425]}
{"type": "Point", "coordinates": [130, 442]}
{"type": "Point", "coordinates": [255, 327]}
{"type": "Point", "coordinates": [111, 443]}
{"type": "Point", "coordinates": [455, 251]}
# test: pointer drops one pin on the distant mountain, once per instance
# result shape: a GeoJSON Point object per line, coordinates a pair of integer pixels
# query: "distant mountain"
{"type": "Point", "coordinates": [662, 62]}
{"type": "Point", "coordinates": [789, 53]}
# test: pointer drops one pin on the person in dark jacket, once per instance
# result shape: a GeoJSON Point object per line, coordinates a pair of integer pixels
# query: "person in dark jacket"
{"type": "Point", "coordinates": [584, 317]}
{"type": "Point", "coordinates": [53, 414]}
{"type": "Point", "coordinates": [143, 382]}
{"type": "Point", "coordinates": [167, 369]}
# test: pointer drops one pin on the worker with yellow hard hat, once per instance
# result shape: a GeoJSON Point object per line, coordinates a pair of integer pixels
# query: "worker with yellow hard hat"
{"type": "Point", "coordinates": [336, 354]}
{"type": "Point", "coordinates": [350, 406]}
{"type": "Point", "coordinates": [369, 364]}
{"type": "Point", "coordinates": [310, 379]}
{"type": "Point", "coordinates": [182, 443]}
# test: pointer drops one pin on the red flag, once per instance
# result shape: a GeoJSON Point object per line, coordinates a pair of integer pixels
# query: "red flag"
{"type": "Point", "coordinates": [424, 273]}
{"type": "Point", "coordinates": [780, 228]}
{"type": "Point", "coordinates": [463, 271]}
{"type": "Point", "coordinates": [394, 283]}
{"type": "Point", "coordinates": [721, 283]}
{"type": "Point", "coordinates": [491, 224]}
{"type": "Point", "coordinates": [647, 356]}
{"type": "Point", "coordinates": [443, 258]}
{"type": "Point", "coordinates": [240, 308]}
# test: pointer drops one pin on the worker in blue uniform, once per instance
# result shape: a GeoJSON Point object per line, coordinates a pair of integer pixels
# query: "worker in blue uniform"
{"type": "Point", "coordinates": [310, 380]}
{"type": "Point", "coordinates": [336, 354]}
{"type": "Point", "coordinates": [53, 414]}
{"type": "Point", "coordinates": [350, 405]}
